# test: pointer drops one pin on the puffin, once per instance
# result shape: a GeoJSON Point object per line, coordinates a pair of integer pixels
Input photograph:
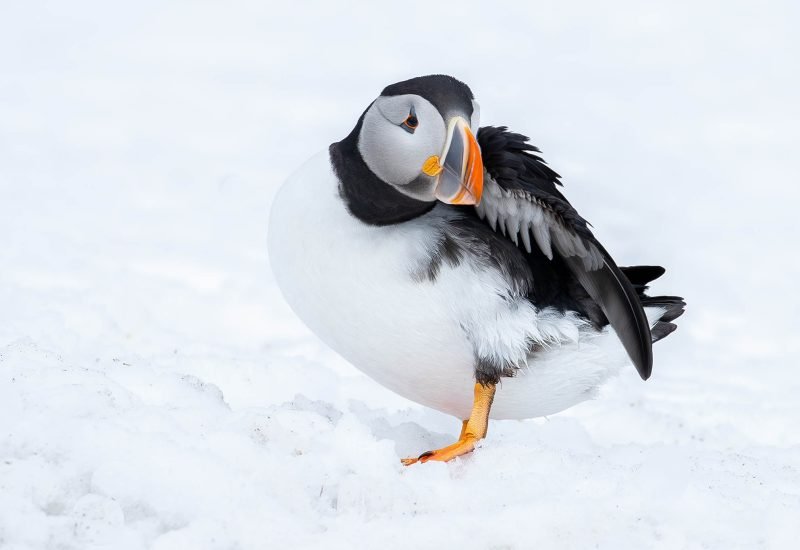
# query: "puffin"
{"type": "Point", "coordinates": [441, 259]}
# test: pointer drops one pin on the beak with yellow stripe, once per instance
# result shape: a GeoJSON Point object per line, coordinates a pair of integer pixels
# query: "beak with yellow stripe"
{"type": "Point", "coordinates": [459, 168]}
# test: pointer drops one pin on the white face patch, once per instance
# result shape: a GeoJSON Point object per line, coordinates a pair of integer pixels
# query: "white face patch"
{"type": "Point", "coordinates": [391, 151]}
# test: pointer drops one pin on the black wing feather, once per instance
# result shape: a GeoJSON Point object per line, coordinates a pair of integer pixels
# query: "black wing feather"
{"type": "Point", "coordinates": [521, 186]}
{"type": "Point", "coordinates": [618, 300]}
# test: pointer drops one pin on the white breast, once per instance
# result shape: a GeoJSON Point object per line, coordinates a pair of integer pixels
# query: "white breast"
{"type": "Point", "coordinates": [353, 285]}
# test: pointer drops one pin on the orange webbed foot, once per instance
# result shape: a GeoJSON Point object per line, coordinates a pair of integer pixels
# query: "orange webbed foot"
{"type": "Point", "coordinates": [461, 447]}
{"type": "Point", "coordinates": [472, 430]}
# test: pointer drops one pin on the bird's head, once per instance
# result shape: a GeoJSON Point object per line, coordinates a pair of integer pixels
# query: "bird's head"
{"type": "Point", "coordinates": [419, 137]}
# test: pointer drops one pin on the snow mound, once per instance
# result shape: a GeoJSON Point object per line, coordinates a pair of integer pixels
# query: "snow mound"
{"type": "Point", "coordinates": [135, 455]}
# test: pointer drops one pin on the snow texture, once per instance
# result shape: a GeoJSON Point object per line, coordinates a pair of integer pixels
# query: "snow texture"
{"type": "Point", "coordinates": [155, 390]}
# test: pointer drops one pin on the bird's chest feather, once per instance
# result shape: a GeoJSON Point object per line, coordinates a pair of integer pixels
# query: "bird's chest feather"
{"type": "Point", "coordinates": [356, 286]}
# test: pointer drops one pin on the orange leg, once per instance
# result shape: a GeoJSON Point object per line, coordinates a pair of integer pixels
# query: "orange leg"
{"type": "Point", "coordinates": [472, 430]}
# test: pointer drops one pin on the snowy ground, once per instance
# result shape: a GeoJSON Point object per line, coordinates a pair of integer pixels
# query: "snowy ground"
{"type": "Point", "coordinates": [156, 392]}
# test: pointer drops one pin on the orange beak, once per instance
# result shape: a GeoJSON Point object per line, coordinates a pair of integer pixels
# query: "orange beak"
{"type": "Point", "coordinates": [460, 175]}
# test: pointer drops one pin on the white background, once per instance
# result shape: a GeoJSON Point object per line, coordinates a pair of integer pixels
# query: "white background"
{"type": "Point", "coordinates": [155, 391]}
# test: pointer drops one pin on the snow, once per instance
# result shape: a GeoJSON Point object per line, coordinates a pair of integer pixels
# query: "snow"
{"type": "Point", "coordinates": [155, 390]}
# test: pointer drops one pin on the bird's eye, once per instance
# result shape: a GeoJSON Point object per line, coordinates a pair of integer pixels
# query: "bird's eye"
{"type": "Point", "coordinates": [411, 122]}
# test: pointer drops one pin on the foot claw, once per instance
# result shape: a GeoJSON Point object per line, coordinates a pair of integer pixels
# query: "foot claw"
{"type": "Point", "coordinates": [426, 455]}
{"type": "Point", "coordinates": [461, 447]}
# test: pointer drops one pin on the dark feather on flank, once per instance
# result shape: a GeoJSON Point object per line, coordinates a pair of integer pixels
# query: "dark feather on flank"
{"type": "Point", "coordinates": [448, 251]}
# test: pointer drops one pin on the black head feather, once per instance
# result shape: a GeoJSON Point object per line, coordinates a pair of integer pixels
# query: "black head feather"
{"type": "Point", "coordinates": [444, 92]}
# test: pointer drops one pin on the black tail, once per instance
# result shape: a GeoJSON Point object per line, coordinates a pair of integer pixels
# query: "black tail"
{"type": "Point", "coordinates": [640, 276]}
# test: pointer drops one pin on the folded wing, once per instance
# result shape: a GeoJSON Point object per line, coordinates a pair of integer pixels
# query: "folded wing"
{"type": "Point", "coordinates": [521, 199]}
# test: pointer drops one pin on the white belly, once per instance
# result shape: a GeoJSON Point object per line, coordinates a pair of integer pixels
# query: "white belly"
{"type": "Point", "coordinates": [351, 284]}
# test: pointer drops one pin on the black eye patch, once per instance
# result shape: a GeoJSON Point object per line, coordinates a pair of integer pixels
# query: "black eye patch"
{"type": "Point", "coordinates": [411, 122]}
